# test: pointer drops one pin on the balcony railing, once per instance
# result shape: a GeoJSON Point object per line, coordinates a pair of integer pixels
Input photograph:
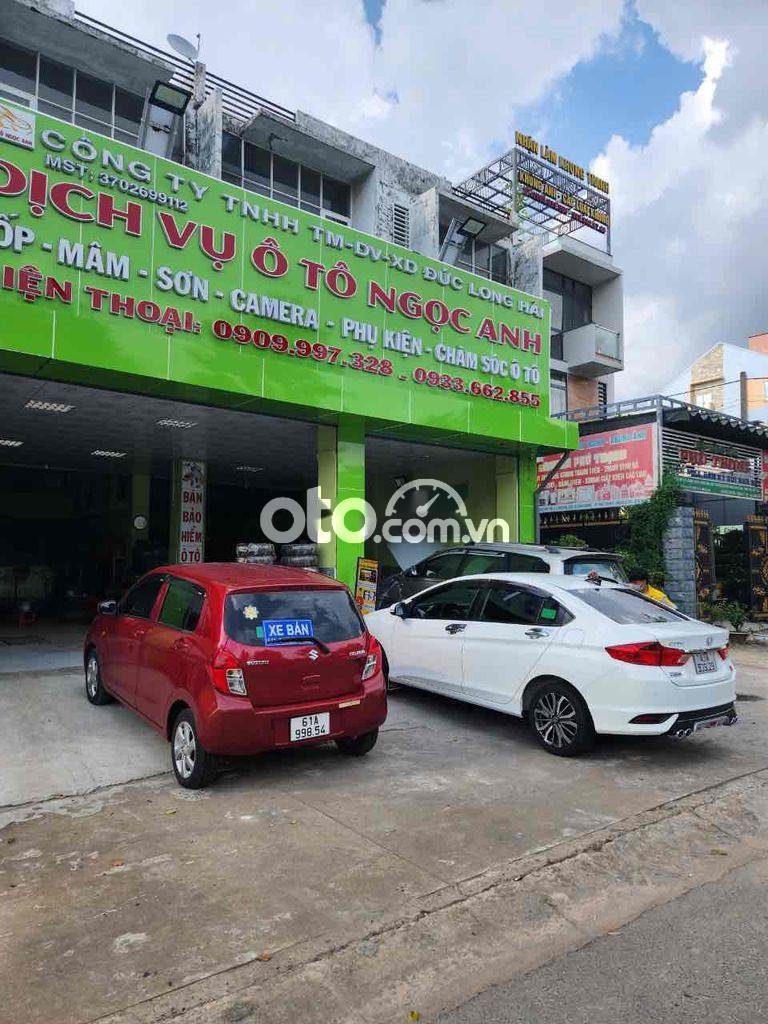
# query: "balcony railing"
{"type": "Point", "coordinates": [607, 343]}
{"type": "Point", "coordinates": [593, 350]}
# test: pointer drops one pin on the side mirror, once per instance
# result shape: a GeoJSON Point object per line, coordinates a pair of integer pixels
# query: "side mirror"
{"type": "Point", "coordinates": [107, 607]}
{"type": "Point", "coordinates": [400, 610]}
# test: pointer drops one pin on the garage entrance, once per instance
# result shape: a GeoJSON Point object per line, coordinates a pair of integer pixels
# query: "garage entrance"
{"type": "Point", "coordinates": [434, 482]}
{"type": "Point", "coordinates": [87, 482]}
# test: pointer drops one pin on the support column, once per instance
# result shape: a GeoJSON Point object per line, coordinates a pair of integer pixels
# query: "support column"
{"type": "Point", "coordinates": [327, 482]}
{"type": "Point", "coordinates": [527, 497]}
{"type": "Point", "coordinates": [350, 486]}
{"type": "Point", "coordinates": [188, 494]}
{"type": "Point", "coordinates": [341, 477]}
{"type": "Point", "coordinates": [680, 560]}
{"type": "Point", "coordinates": [506, 493]}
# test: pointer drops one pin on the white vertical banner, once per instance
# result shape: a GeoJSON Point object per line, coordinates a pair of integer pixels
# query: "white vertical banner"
{"type": "Point", "coordinates": [192, 512]}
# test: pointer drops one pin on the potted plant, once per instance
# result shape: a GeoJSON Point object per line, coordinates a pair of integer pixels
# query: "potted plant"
{"type": "Point", "coordinates": [729, 614]}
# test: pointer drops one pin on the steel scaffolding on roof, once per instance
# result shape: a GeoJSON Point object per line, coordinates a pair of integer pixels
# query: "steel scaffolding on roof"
{"type": "Point", "coordinates": [546, 199]}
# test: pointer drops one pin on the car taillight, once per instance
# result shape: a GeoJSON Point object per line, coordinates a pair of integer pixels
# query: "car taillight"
{"type": "Point", "coordinates": [229, 678]}
{"type": "Point", "coordinates": [648, 653]}
{"type": "Point", "coordinates": [723, 652]}
{"type": "Point", "coordinates": [372, 659]}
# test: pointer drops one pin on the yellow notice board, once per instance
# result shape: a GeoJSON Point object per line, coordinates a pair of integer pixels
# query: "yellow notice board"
{"type": "Point", "coordinates": [366, 582]}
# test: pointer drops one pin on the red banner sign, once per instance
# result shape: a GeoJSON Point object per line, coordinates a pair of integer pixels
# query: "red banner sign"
{"type": "Point", "coordinates": [613, 468]}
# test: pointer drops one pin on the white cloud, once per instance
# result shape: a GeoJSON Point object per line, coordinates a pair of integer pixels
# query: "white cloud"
{"type": "Point", "coordinates": [641, 175]}
{"type": "Point", "coordinates": [689, 215]}
{"type": "Point", "coordinates": [440, 88]}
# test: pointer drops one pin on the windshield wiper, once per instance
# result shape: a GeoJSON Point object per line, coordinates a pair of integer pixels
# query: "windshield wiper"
{"type": "Point", "coordinates": [300, 640]}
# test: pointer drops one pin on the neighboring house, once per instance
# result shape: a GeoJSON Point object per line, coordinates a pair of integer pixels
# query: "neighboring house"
{"type": "Point", "coordinates": [713, 381]}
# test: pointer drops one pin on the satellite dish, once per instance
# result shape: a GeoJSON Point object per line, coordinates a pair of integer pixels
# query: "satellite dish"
{"type": "Point", "coordinates": [184, 47]}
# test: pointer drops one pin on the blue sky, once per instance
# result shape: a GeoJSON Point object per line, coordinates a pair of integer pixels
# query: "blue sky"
{"type": "Point", "coordinates": [633, 84]}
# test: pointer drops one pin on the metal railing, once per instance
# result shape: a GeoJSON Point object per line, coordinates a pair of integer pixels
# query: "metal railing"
{"type": "Point", "coordinates": [241, 104]}
{"type": "Point", "coordinates": [656, 403]}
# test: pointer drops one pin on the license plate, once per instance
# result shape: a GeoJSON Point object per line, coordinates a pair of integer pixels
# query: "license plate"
{"type": "Point", "coordinates": [711, 723]}
{"type": "Point", "coordinates": [705, 661]}
{"type": "Point", "coordinates": [309, 726]}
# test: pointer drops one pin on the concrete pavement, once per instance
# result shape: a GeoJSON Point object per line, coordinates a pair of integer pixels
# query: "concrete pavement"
{"type": "Point", "coordinates": [700, 959]}
{"type": "Point", "coordinates": [163, 898]}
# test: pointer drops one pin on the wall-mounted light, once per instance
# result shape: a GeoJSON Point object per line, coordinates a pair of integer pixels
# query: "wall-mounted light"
{"type": "Point", "coordinates": [169, 97]}
{"type": "Point", "coordinates": [472, 227]}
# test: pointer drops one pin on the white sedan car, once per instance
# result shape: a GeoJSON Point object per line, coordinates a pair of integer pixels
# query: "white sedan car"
{"type": "Point", "coordinates": [573, 657]}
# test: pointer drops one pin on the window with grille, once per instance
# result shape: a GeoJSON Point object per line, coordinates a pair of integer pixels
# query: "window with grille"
{"type": "Point", "coordinates": [28, 78]}
{"type": "Point", "coordinates": [558, 393]}
{"type": "Point", "coordinates": [269, 174]}
{"type": "Point", "coordinates": [486, 260]}
{"type": "Point", "coordinates": [602, 393]}
{"type": "Point", "coordinates": [401, 225]}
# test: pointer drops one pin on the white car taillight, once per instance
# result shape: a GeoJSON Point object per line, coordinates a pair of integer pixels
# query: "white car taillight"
{"type": "Point", "coordinates": [370, 666]}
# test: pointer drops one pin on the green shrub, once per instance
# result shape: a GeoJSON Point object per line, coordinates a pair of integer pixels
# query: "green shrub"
{"type": "Point", "coordinates": [720, 612]}
{"type": "Point", "coordinates": [647, 523]}
{"type": "Point", "coordinates": [570, 540]}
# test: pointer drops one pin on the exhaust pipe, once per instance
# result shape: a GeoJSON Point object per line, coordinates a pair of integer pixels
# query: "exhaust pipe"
{"type": "Point", "coordinates": [682, 733]}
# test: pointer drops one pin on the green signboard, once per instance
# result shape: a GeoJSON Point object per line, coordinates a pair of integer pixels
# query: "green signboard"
{"type": "Point", "coordinates": [125, 266]}
{"type": "Point", "coordinates": [713, 467]}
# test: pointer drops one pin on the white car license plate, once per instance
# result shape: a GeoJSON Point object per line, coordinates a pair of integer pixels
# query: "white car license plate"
{"type": "Point", "coordinates": [309, 726]}
{"type": "Point", "coordinates": [705, 661]}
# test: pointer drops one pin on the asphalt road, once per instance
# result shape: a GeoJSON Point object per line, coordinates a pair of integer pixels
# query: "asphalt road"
{"type": "Point", "coordinates": [700, 958]}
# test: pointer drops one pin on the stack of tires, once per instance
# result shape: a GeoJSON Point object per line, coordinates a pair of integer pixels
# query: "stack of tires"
{"type": "Point", "coordinates": [299, 556]}
{"type": "Point", "coordinates": [256, 554]}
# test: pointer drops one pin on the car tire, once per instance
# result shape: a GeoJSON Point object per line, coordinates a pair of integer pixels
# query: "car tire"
{"type": "Point", "coordinates": [94, 688]}
{"type": "Point", "coordinates": [357, 746]}
{"type": "Point", "coordinates": [560, 720]}
{"type": "Point", "coordinates": [298, 550]}
{"type": "Point", "coordinates": [192, 765]}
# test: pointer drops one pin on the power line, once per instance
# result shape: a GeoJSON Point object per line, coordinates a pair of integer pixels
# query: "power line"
{"type": "Point", "coordinates": [704, 386]}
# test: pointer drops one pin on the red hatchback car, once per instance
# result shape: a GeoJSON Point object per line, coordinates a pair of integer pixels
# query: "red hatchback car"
{"type": "Point", "coordinates": [230, 659]}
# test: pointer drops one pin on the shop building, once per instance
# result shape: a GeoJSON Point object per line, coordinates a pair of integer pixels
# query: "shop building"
{"type": "Point", "coordinates": [208, 301]}
{"type": "Point", "coordinates": [717, 543]}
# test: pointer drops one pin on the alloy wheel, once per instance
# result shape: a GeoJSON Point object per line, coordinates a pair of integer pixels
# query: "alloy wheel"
{"type": "Point", "coordinates": [184, 749]}
{"type": "Point", "coordinates": [92, 676]}
{"type": "Point", "coordinates": [554, 719]}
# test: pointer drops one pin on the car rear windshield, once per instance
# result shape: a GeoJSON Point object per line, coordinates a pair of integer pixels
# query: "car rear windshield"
{"type": "Point", "coordinates": [627, 606]}
{"type": "Point", "coordinates": [606, 567]}
{"type": "Point", "coordinates": [327, 615]}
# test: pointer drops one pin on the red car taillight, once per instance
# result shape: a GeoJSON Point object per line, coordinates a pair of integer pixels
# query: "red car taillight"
{"type": "Point", "coordinates": [228, 677]}
{"type": "Point", "coordinates": [648, 653]}
{"type": "Point", "coordinates": [723, 652]}
{"type": "Point", "coordinates": [373, 658]}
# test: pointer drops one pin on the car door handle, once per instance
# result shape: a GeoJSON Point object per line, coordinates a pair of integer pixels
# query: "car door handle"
{"type": "Point", "coordinates": [181, 644]}
{"type": "Point", "coordinates": [455, 627]}
{"type": "Point", "coordinates": [139, 633]}
{"type": "Point", "coordinates": [536, 633]}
